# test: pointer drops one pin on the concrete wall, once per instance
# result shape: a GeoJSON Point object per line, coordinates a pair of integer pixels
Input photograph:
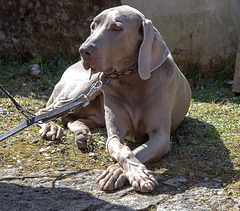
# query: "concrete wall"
{"type": "Point", "coordinates": [204, 31]}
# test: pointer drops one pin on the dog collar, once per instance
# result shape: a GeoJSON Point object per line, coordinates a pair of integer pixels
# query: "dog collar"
{"type": "Point", "coordinates": [126, 71]}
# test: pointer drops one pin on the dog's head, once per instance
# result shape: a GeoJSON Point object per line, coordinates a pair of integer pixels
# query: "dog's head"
{"type": "Point", "coordinates": [120, 37]}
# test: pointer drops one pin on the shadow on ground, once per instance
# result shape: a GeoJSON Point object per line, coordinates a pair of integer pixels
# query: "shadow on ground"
{"type": "Point", "coordinates": [198, 157]}
{"type": "Point", "coordinates": [41, 192]}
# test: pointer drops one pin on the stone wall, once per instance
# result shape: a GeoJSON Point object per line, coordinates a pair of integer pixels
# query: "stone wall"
{"type": "Point", "coordinates": [201, 31]}
{"type": "Point", "coordinates": [32, 28]}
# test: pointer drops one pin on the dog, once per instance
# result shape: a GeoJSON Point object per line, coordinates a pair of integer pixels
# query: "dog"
{"type": "Point", "coordinates": [144, 97]}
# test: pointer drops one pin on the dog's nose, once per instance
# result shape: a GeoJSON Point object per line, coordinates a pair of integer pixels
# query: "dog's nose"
{"type": "Point", "coordinates": [86, 51]}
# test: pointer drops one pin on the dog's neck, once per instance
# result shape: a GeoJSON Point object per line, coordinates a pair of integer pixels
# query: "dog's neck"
{"type": "Point", "coordinates": [124, 72]}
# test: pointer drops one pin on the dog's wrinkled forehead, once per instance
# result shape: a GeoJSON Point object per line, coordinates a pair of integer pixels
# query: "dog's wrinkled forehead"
{"type": "Point", "coordinates": [122, 14]}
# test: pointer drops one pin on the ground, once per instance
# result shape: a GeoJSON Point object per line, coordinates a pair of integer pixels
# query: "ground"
{"type": "Point", "coordinates": [202, 171]}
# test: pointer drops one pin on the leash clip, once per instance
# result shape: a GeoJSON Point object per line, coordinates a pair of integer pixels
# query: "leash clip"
{"type": "Point", "coordinates": [95, 87]}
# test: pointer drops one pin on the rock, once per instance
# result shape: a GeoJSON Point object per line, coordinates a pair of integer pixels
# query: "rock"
{"type": "Point", "coordinates": [191, 175]}
{"type": "Point", "coordinates": [206, 179]}
{"type": "Point", "coordinates": [199, 198]}
{"type": "Point", "coordinates": [19, 161]}
{"type": "Point", "coordinates": [35, 70]}
{"type": "Point", "coordinates": [53, 151]}
{"type": "Point", "coordinates": [48, 158]}
{"type": "Point", "coordinates": [182, 179]}
{"type": "Point", "coordinates": [20, 192]}
{"type": "Point", "coordinates": [193, 143]}
{"type": "Point", "coordinates": [34, 142]}
{"type": "Point", "coordinates": [158, 177]}
{"type": "Point", "coordinates": [3, 112]}
{"type": "Point", "coordinates": [101, 142]}
{"type": "Point", "coordinates": [42, 150]}
{"type": "Point", "coordinates": [218, 179]}
{"type": "Point", "coordinates": [91, 154]}
{"type": "Point", "coordinates": [77, 190]}
{"type": "Point", "coordinates": [175, 182]}
{"type": "Point", "coordinates": [229, 82]}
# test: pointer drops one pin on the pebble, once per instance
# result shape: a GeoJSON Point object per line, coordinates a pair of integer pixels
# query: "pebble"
{"type": "Point", "coordinates": [175, 182]}
{"type": "Point", "coordinates": [48, 158]}
{"type": "Point", "coordinates": [20, 192]}
{"type": "Point", "coordinates": [193, 143]}
{"type": "Point", "coordinates": [218, 179]}
{"type": "Point", "coordinates": [182, 179]}
{"type": "Point", "coordinates": [53, 151]}
{"type": "Point", "coordinates": [35, 70]}
{"type": "Point", "coordinates": [206, 179]}
{"type": "Point", "coordinates": [19, 161]}
{"type": "Point", "coordinates": [101, 142]}
{"type": "Point", "coordinates": [34, 142]}
{"type": "Point", "coordinates": [3, 112]}
{"type": "Point", "coordinates": [42, 150]}
{"type": "Point", "coordinates": [91, 154]}
{"type": "Point", "coordinates": [191, 175]}
{"type": "Point", "coordinates": [220, 192]}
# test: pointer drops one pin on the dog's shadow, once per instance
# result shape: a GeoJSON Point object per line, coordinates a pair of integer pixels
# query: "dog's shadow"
{"type": "Point", "coordinates": [198, 157]}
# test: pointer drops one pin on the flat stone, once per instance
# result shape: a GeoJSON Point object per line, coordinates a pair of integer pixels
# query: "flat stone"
{"type": "Point", "coordinates": [53, 190]}
{"type": "Point", "coordinates": [175, 182]}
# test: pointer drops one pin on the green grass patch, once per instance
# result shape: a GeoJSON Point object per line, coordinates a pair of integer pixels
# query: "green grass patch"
{"type": "Point", "coordinates": [206, 145]}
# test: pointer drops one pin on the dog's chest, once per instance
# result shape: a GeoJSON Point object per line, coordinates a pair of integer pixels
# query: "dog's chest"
{"type": "Point", "coordinates": [130, 100]}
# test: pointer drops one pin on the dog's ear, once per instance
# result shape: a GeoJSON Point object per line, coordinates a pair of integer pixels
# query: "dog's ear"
{"type": "Point", "coordinates": [153, 50]}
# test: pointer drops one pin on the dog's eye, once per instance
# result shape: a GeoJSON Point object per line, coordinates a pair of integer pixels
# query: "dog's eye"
{"type": "Point", "coordinates": [92, 26]}
{"type": "Point", "coordinates": [116, 28]}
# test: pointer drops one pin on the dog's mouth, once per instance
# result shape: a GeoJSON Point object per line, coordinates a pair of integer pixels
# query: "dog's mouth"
{"type": "Point", "coordinates": [88, 65]}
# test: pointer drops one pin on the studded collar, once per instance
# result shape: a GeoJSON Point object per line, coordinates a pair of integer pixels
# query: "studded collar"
{"type": "Point", "coordinates": [125, 72]}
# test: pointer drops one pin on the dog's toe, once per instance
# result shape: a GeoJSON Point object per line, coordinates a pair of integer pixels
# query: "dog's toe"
{"type": "Point", "coordinates": [112, 178]}
{"type": "Point", "coordinates": [82, 139]}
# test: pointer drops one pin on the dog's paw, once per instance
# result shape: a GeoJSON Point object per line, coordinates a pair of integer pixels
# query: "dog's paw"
{"type": "Point", "coordinates": [141, 178]}
{"type": "Point", "coordinates": [83, 138]}
{"type": "Point", "coordinates": [51, 131]}
{"type": "Point", "coordinates": [112, 178]}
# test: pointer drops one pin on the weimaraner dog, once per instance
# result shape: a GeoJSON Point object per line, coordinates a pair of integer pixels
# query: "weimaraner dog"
{"type": "Point", "coordinates": [144, 97]}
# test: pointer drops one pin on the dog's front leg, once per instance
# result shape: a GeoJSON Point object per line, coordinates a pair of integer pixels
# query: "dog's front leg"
{"type": "Point", "coordinates": [136, 172]}
{"type": "Point", "coordinates": [157, 146]}
{"type": "Point", "coordinates": [128, 165]}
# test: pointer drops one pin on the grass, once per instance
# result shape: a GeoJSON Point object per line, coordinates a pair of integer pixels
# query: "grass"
{"type": "Point", "coordinates": [206, 145]}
